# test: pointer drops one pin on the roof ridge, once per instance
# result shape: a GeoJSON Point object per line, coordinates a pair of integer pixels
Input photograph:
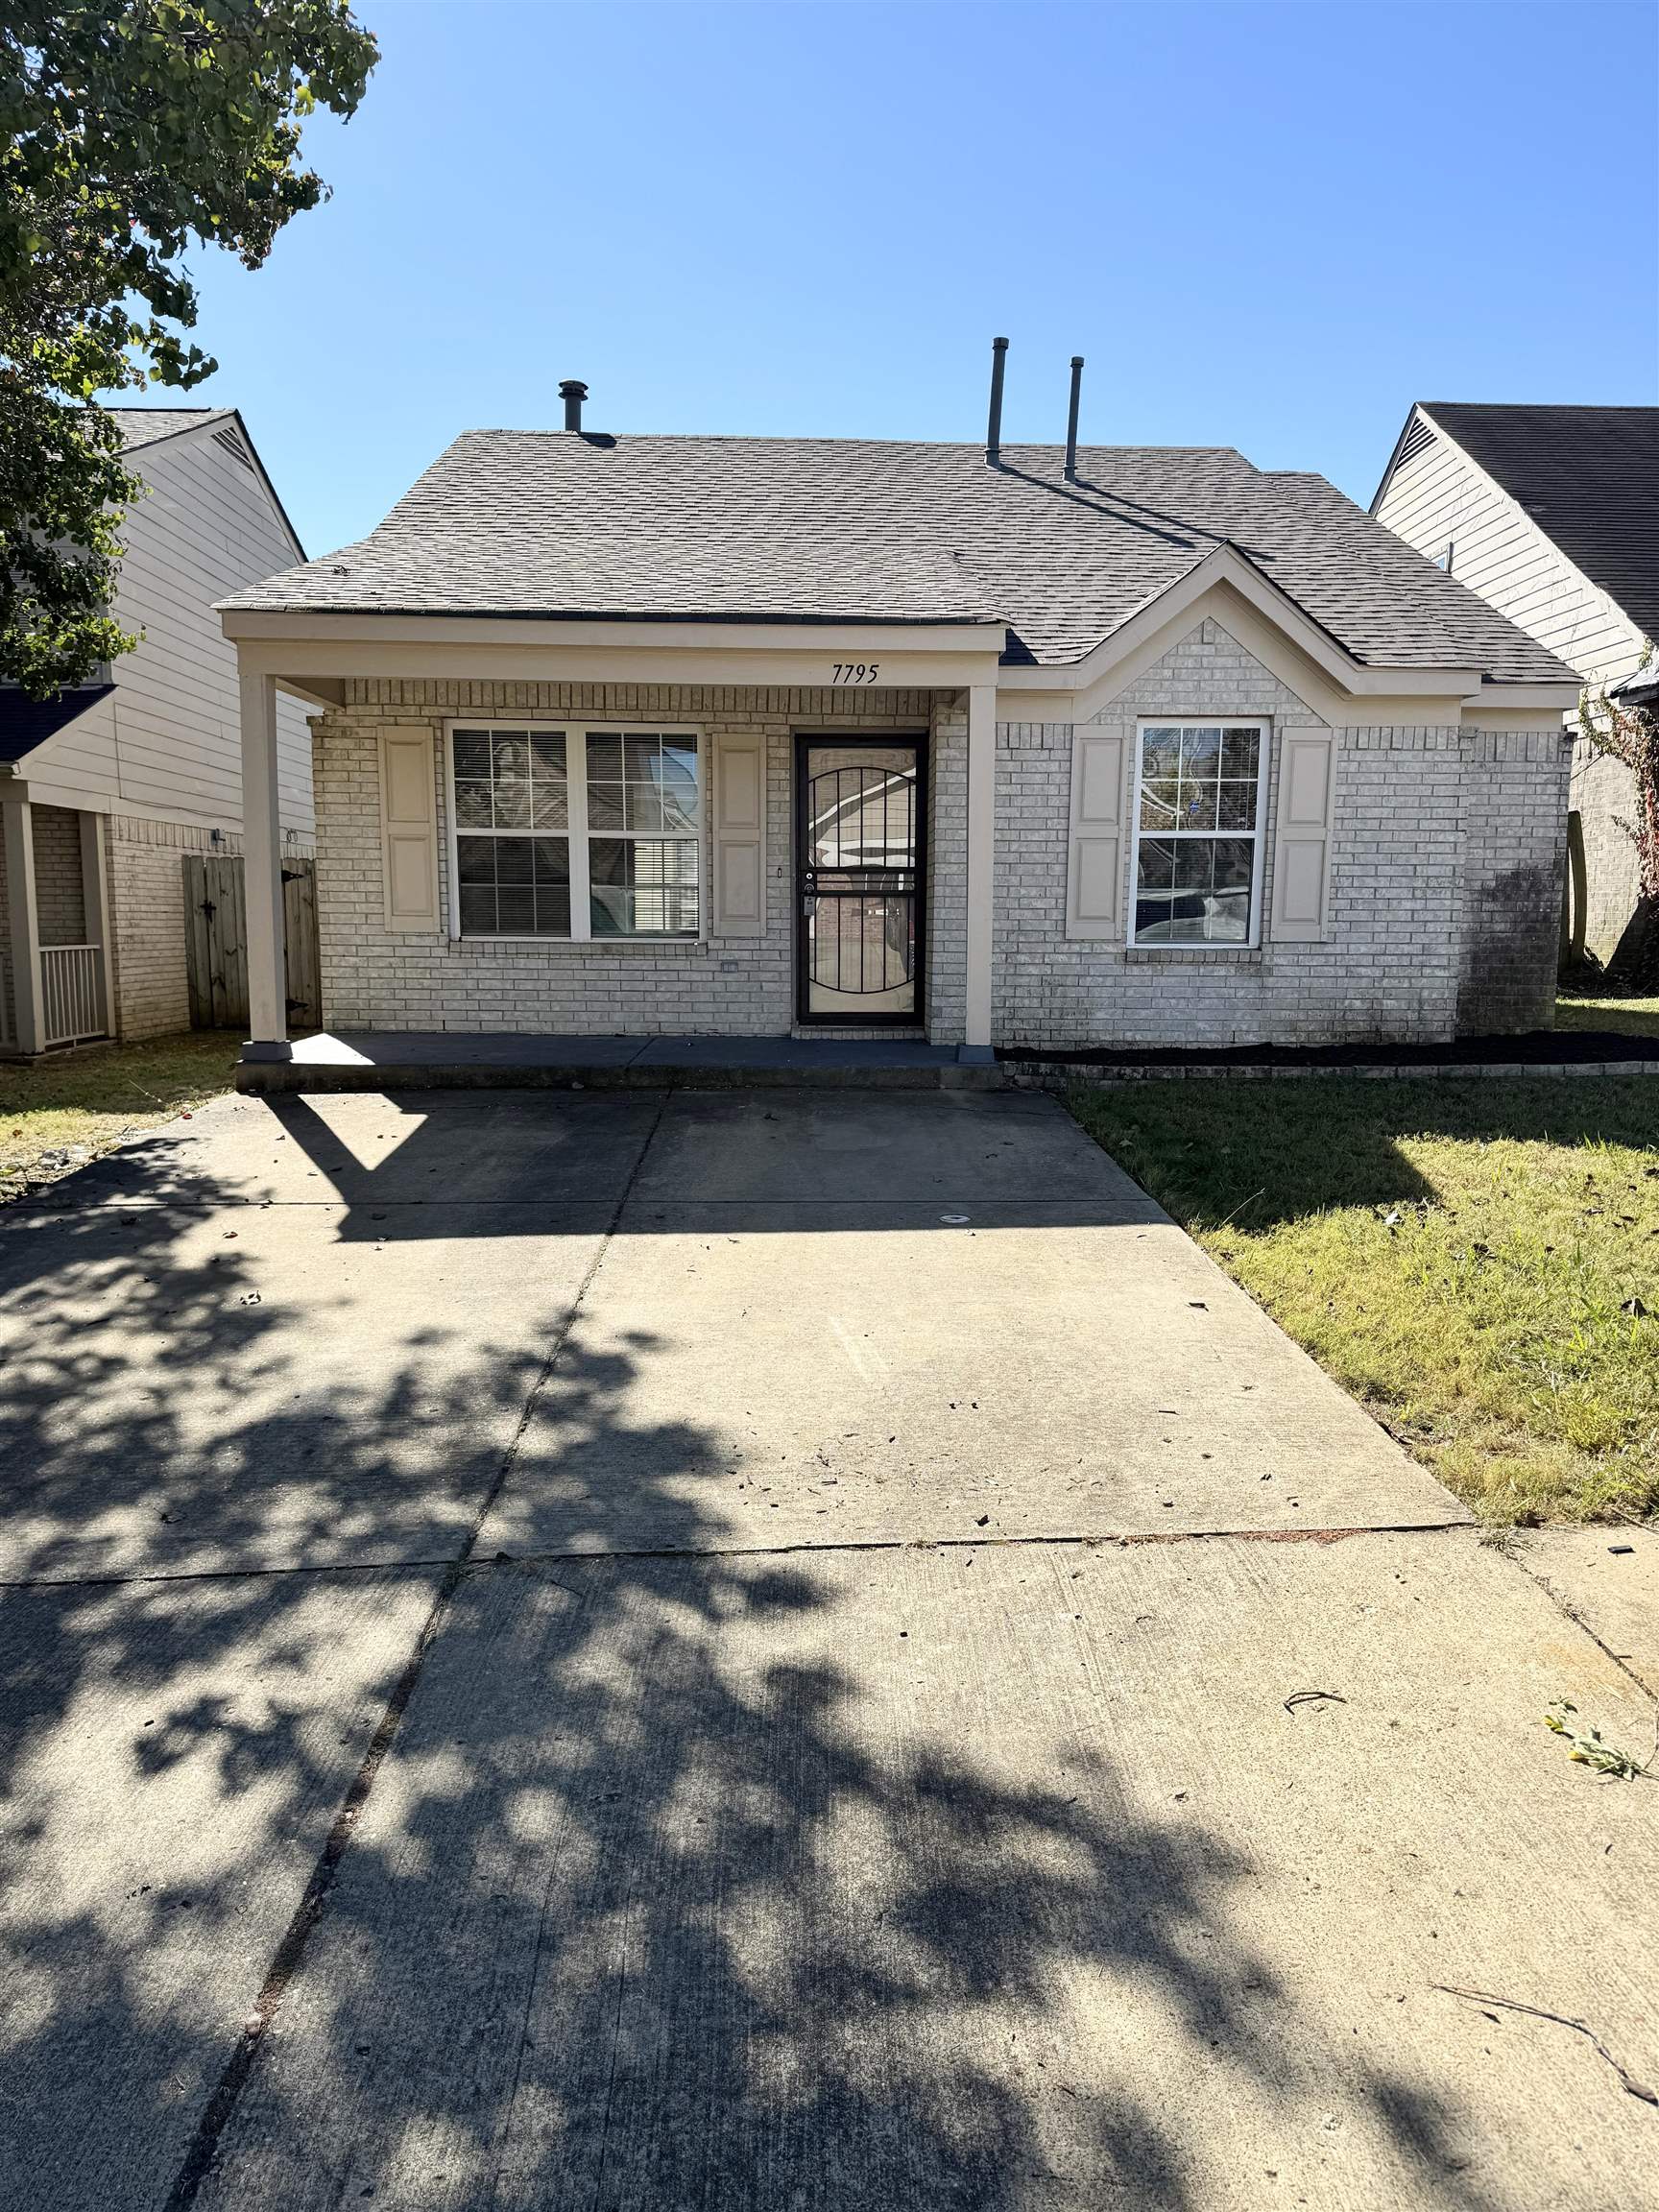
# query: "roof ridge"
{"type": "Point", "coordinates": [822, 438]}
{"type": "Point", "coordinates": [1547, 406]}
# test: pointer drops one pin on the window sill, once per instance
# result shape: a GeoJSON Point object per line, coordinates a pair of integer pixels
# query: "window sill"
{"type": "Point", "coordinates": [592, 943]}
{"type": "Point", "coordinates": [1158, 955]}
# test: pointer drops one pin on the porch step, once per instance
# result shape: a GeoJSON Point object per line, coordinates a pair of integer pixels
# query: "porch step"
{"type": "Point", "coordinates": [410, 1060]}
{"type": "Point", "coordinates": [819, 1036]}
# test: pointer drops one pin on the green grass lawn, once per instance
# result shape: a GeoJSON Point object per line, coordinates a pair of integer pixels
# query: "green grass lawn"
{"type": "Point", "coordinates": [89, 1100]}
{"type": "Point", "coordinates": [1477, 1260]}
{"type": "Point", "coordinates": [1630, 1017]}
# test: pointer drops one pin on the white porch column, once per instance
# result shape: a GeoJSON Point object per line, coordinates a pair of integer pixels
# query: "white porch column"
{"type": "Point", "coordinates": [262, 843]}
{"type": "Point", "coordinates": [981, 852]}
{"type": "Point", "coordinates": [95, 903]}
{"type": "Point", "coordinates": [28, 996]}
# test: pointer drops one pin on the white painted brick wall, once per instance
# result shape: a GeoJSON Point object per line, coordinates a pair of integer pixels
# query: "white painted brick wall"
{"type": "Point", "coordinates": [1439, 835]}
{"type": "Point", "coordinates": [1443, 839]}
{"type": "Point", "coordinates": [737, 986]}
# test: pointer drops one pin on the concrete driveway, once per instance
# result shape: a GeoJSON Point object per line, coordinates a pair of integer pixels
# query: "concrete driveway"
{"type": "Point", "coordinates": [747, 1651]}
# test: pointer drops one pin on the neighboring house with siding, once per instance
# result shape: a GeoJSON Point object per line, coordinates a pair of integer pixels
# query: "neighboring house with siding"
{"type": "Point", "coordinates": [1552, 514]}
{"type": "Point", "coordinates": [995, 745]}
{"type": "Point", "coordinates": [103, 790]}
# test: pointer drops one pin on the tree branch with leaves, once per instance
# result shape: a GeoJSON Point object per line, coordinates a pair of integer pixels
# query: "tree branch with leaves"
{"type": "Point", "coordinates": [128, 129]}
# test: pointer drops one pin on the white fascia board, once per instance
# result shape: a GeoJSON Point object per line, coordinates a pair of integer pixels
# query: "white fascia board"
{"type": "Point", "coordinates": [1417, 683]}
{"type": "Point", "coordinates": [1223, 565]}
{"type": "Point", "coordinates": [1559, 698]}
{"type": "Point", "coordinates": [835, 639]}
{"type": "Point", "coordinates": [1411, 697]}
{"type": "Point", "coordinates": [1066, 690]}
{"type": "Point", "coordinates": [926, 657]}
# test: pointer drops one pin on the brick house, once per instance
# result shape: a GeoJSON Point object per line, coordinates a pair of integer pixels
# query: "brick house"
{"type": "Point", "coordinates": [1552, 514]}
{"type": "Point", "coordinates": [105, 789]}
{"type": "Point", "coordinates": [999, 745]}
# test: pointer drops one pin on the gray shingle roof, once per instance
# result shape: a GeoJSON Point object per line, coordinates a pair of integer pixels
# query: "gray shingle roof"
{"type": "Point", "coordinates": [149, 425]}
{"type": "Point", "coordinates": [1588, 477]}
{"type": "Point", "coordinates": [814, 529]}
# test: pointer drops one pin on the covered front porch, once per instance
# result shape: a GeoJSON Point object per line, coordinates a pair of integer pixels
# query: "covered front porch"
{"type": "Point", "coordinates": [55, 946]}
{"type": "Point", "coordinates": [541, 850]}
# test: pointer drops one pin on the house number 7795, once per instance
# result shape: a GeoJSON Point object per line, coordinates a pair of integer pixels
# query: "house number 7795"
{"type": "Point", "coordinates": [856, 671]}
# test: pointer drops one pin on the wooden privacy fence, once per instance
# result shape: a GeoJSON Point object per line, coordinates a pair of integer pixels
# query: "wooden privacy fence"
{"type": "Point", "coordinates": [216, 939]}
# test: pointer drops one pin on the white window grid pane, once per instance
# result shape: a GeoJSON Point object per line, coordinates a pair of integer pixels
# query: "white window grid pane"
{"type": "Point", "coordinates": [1183, 761]}
{"type": "Point", "coordinates": [661, 891]}
{"type": "Point", "coordinates": [662, 767]}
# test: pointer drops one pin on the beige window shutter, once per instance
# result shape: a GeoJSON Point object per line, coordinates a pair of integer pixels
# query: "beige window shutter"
{"type": "Point", "coordinates": [1302, 838]}
{"type": "Point", "coordinates": [1094, 863]}
{"type": "Point", "coordinates": [739, 834]}
{"type": "Point", "coordinates": [408, 830]}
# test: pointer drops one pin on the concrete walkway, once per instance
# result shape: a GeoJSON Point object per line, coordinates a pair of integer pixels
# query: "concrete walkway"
{"type": "Point", "coordinates": [747, 1650]}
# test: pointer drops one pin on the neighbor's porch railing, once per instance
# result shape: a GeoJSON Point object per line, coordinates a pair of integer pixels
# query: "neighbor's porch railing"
{"type": "Point", "coordinates": [72, 987]}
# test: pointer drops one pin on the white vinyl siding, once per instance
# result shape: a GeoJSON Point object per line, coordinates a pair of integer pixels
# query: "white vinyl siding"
{"type": "Point", "coordinates": [168, 739]}
{"type": "Point", "coordinates": [1439, 498]}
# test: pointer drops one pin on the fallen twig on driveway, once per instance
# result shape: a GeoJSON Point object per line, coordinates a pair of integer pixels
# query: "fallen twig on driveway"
{"type": "Point", "coordinates": [1628, 2081]}
{"type": "Point", "coordinates": [1591, 1748]}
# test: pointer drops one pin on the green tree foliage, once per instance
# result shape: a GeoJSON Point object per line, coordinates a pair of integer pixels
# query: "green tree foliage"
{"type": "Point", "coordinates": [128, 130]}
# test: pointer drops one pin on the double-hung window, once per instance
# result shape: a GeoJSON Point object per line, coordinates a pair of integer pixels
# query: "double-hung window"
{"type": "Point", "coordinates": [1200, 791]}
{"type": "Point", "coordinates": [575, 833]}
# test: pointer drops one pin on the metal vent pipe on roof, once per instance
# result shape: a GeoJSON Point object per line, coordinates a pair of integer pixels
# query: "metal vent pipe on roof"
{"type": "Point", "coordinates": [993, 428]}
{"type": "Point", "coordinates": [1071, 419]}
{"type": "Point", "coordinates": [572, 392]}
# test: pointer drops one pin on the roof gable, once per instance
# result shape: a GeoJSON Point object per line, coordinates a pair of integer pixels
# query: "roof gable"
{"type": "Point", "coordinates": [141, 427]}
{"type": "Point", "coordinates": [145, 427]}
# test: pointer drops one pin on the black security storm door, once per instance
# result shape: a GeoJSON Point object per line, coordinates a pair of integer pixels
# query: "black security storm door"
{"type": "Point", "coordinates": [859, 843]}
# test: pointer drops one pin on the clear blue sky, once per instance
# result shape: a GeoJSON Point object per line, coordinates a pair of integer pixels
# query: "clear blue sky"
{"type": "Point", "coordinates": [1270, 226]}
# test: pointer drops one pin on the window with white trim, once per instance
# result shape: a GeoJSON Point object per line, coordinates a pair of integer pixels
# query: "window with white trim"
{"type": "Point", "coordinates": [1200, 796]}
{"type": "Point", "coordinates": [575, 833]}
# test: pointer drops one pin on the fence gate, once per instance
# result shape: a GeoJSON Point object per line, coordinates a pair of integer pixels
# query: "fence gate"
{"type": "Point", "coordinates": [216, 940]}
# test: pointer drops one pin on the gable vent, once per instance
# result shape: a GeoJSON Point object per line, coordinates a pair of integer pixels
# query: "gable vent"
{"type": "Point", "coordinates": [1418, 439]}
{"type": "Point", "coordinates": [234, 447]}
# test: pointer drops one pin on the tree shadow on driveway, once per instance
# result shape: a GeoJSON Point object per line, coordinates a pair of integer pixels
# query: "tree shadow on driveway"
{"type": "Point", "coordinates": [713, 1880]}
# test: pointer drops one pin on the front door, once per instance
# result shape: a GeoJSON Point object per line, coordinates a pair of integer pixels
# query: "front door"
{"type": "Point", "coordinates": [859, 845]}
